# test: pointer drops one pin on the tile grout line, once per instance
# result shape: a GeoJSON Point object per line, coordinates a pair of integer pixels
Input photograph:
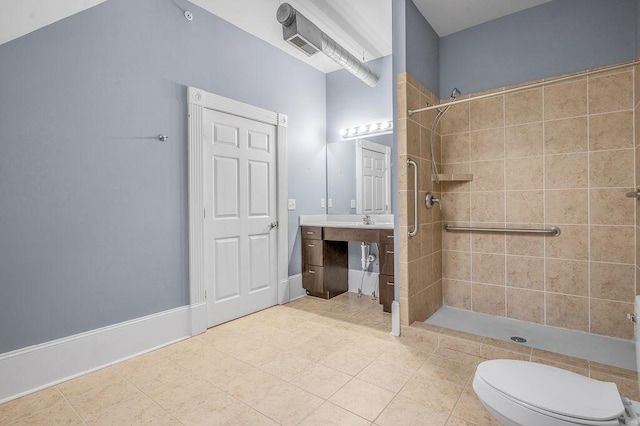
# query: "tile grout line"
{"type": "Point", "coordinates": [70, 405]}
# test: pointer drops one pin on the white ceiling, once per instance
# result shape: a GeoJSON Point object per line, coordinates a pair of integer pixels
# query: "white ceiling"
{"type": "Point", "coordinates": [363, 27]}
{"type": "Point", "coordinates": [450, 16]}
{"type": "Point", "coordinates": [360, 26]}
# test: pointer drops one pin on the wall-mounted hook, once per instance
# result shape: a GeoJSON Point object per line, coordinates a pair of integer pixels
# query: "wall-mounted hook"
{"type": "Point", "coordinates": [163, 138]}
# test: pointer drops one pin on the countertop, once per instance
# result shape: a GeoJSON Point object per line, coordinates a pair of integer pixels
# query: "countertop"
{"type": "Point", "coordinates": [383, 221]}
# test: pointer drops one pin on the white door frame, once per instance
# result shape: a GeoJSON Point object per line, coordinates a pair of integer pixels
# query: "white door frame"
{"type": "Point", "coordinates": [198, 100]}
{"type": "Point", "coordinates": [377, 147]}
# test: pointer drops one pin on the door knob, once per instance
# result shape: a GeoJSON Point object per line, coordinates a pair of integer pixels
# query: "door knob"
{"type": "Point", "coordinates": [273, 225]}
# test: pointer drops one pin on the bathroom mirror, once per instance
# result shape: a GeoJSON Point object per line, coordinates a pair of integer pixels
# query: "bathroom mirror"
{"type": "Point", "coordinates": [345, 165]}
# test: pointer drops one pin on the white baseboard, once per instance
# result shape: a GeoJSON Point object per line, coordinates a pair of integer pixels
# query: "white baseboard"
{"type": "Point", "coordinates": [369, 281]}
{"type": "Point", "coordinates": [36, 367]}
{"type": "Point", "coordinates": [295, 287]}
{"type": "Point", "coordinates": [199, 318]}
{"type": "Point", "coordinates": [284, 295]}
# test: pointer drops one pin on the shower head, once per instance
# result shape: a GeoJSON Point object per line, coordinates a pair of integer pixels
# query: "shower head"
{"type": "Point", "coordinates": [455, 93]}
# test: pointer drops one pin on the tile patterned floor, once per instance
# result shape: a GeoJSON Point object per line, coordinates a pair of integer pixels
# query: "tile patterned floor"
{"type": "Point", "coordinates": [310, 362]}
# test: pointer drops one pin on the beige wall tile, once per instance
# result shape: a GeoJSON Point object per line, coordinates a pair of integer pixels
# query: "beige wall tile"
{"type": "Point", "coordinates": [611, 207]}
{"type": "Point", "coordinates": [567, 311]}
{"type": "Point", "coordinates": [525, 305]}
{"type": "Point", "coordinates": [487, 113]}
{"type": "Point", "coordinates": [413, 99]}
{"type": "Point", "coordinates": [455, 206]}
{"type": "Point", "coordinates": [612, 92]}
{"type": "Point", "coordinates": [566, 171]}
{"type": "Point", "coordinates": [525, 272]}
{"type": "Point", "coordinates": [413, 138]}
{"type": "Point", "coordinates": [488, 175]}
{"type": "Point", "coordinates": [487, 206]}
{"type": "Point", "coordinates": [488, 268]}
{"type": "Point", "coordinates": [612, 244]}
{"type": "Point", "coordinates": [565, 100]}
{"type": "Point", "coordinates": [488, 243]}
{"type": "Point", "coordinates": [524, 140]}
{"type": "Point", "coordinates": [571, 244]}
{"type": "Point", "coordinates": [455, 148]}
{"type": "Point", "coordinates": [459, 241]}
{"type": "Point", "coordinates": [566, 136]}
{"type": "Point", "coordinates": [611, 168]}
{"type": "Point", "coordinates": [566, 206]}
{"type": "Point", "coordinates": [524, 173]}
{"type": "Point", "coordinates": [636, 84]}
{"type": "Point", "coordinates": [402, 136]}
{"type": "Point", "coordinates": [488, 299]}
{"type": "Point", "coordinates": [610, 318]}
{"type": "Point", "coordinates": [425, 145]}
{"type": "Point", "coordinates": [525, 207]}
{"type": "Point", "coordinates": [567, 276]}
{"type": "Point", "coordinates": [402, 98]}
{"type": "Point", "coordinates": [457, 293]}
{"type": "Point", "coordinates": [525, 245]}
{"type": "Point", "coordinates": [456, 120]}
{"type": "Point", "coordinates": [611, 131]}
{"type": "Point", "coordinates": [612, 281]}
{"type": "Point", "coordinates": [523, 107]}
{"type": "Point", "coordinates": [418, 306]}
{"type": "Point", "coordinates": [456, 265]}
{"type": "Point", "coordinates": [487, 144]}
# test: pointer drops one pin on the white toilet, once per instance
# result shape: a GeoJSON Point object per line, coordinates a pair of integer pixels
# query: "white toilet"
{"type": "Point", "coordinates": [529, 394]}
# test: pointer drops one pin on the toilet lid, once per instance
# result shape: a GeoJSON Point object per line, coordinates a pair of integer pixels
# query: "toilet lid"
{"type": "Point", "coordinates": [552, 389]}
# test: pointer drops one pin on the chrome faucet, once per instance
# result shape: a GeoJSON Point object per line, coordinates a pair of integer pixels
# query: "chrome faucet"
{"type": "Point", "coordinates": [367, 220]}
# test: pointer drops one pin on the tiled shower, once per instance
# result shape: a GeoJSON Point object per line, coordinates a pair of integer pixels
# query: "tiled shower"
{"type": "Point", "coordinates": [559, 155]}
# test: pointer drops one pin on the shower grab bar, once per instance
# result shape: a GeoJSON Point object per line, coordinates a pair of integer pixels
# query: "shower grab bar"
{"type": "Point", "coordinates": [415, 198]}
{"type": "Point", "coordinates": [634, 194]}
{"type": "Point", "coordinates": [553, 231]}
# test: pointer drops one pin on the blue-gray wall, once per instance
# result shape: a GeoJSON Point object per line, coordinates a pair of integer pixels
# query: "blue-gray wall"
{"type": "Point", "coordinates": [637, 25]}
{"type": "Point", "coordinates": [350, 102]}
{"type": "Point", "coordinates": [557, 37]}
{"type": "Point", "coordinates": [423, 49]}
{"type": "Point", "coordinates": [93, 225]}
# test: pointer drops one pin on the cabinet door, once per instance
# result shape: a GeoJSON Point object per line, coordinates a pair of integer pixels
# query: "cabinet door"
{"type": "Point", "coordinates": [386, 259]}
{"type": "Point", "coordinates": [386, 291]}
{"type": "Point", "coordinates": [313, 279]}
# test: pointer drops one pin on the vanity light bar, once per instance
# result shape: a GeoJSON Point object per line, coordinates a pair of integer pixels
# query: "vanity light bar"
{"type": "Point", "coordinates": [367, 129]}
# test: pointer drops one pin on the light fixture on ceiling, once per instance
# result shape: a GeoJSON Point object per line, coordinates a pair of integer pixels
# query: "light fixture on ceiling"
{"type": "Point", "coordinates": [309, 39]}
{"type": "Point", "coordinates": [380, 128]}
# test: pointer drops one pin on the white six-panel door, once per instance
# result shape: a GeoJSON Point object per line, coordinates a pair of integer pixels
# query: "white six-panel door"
{"type": "Point", "coordinates": [374, 182]}
{"type": "Point", "coordinates": [240, 201]}
{"type": "Point", "coordinates": [373, 164]}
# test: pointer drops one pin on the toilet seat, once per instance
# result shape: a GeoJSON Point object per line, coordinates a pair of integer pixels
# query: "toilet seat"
{"type": "Point", "coordinates": [549, 391]}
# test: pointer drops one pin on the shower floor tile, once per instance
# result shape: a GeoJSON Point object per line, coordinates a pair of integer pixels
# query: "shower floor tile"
{"type": "Point", "coordinates": [605, 350]}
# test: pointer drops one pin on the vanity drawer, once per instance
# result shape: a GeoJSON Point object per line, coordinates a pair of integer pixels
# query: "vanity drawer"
{"type": "Point", "coordinates": [313, 279]}
{"type": "Point", "coordinates": [386, 259]}
{"type": "Point", "coordinates": [386, 285]}
{"type": "Point", "coordinates": [311, 232]}
{"type": "Point", "coordinates": [312, 252]}
{"type": "Point", "coordinates": [386, 236]}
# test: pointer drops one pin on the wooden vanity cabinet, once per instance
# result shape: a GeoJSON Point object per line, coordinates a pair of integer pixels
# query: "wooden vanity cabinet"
{"type": "Point", "coordinates": [386, 281]}
{"type": "Point", "coordinates": [325, 264]}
